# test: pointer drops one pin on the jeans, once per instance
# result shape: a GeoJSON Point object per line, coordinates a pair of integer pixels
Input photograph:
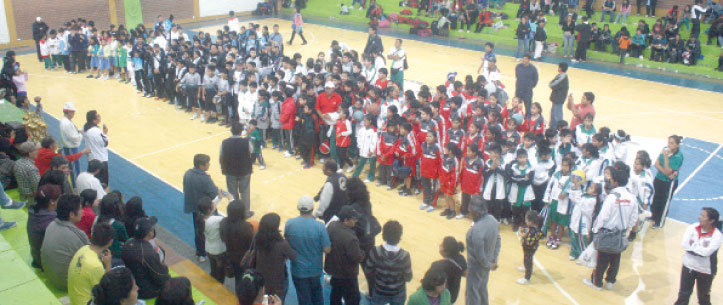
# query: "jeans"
{"type": "Point", "coordinates": [625, 17]}
{"type": "Point", "coordinates": [398, 299]}
{"type": "Point", "coordinates": [75, 165]}
{"type": "Point", "coordinates": [651, 8]}
{"type": "Point", "coordinates": [602, 17]}
{"type": "Point", "coordinates": [568, 44]}
{"type": "Point", "coordinates": [258, 156]}
{"type": "Point", "coordinates": [688, 278]}
{"type": "Point", "coordinates": [520, 44]}
{"type": "Point", "coordinates": [581, 51]}
{"type": "Point", "coordinates": [555, 115]}
{"type": "Point", "coordinates": [308, 290]}
{"type": "Point", "coordinates": [240, 189]}
{"type": "Point", "coordinates": [347, 289]}
{"type": "Point", "coordinates": [199, 234]}
{"type": "Point", "coordinates": [609, 262]}
{"type": "Point", "coordinates": [372, 167]}
{"type": "Point", "coordinates": [4, 199]}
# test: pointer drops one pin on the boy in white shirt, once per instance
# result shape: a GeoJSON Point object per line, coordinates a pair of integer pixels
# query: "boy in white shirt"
{"type": "Point", "coordinates": [215, 247]}
{"type": "Point", "coordinates": [366, 139]}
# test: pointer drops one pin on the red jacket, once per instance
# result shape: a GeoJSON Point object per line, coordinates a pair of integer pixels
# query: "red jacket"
{"type": "Point", "coordinates": [340, 127]}
{"type": "Point", "coordinates": [506, 114]}
{"type": "Point", "coordinates": [537, 126]}
{"type": "Point", "coordinates": [471, 175]}
{"type": "Point", "coordinates": [406, 150]}
{"type": "Point", "coordinates": [387, 143]}
{"type": "Point", "coordinates": [431, 160]}
{"type": "Point", "coordinates": [288, 113]}
{"type": "Point", "coordinates": [45, 155]}
{"type": "Point", "coordinates": [327, 104]}
{"type": "Point", "coordinates": [477, 139]}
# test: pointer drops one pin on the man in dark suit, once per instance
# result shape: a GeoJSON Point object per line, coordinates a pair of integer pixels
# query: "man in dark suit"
{"type": "Point", "coordinates": [39, 29]}
{"type": "Point", "coordinates": [560, 85]}
{"type": "Point", "coordinates": [374, 43]}
{"type": "Point", "coordinates": [160, 63]}
{"type": "Point", "coordinates": [585, 33]}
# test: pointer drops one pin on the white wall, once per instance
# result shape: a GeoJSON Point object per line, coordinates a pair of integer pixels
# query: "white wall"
{"type": "Point", "coordinates": [4, 32]}
{"type": "Point", "coordinates": [221, 7]}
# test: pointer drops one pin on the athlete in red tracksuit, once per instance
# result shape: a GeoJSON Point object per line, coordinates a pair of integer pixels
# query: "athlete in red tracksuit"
{"type": "Point", "coordinates": [473, 136]}
{"type": "Point", "coordinates": [470, 176]}
{"type": "Point", "coordinates": [448, 174]}
{"type": "Point", "coordinates": [288, 120]}
{"type": "Point", "coordinates": [388, 141]}
{"type": "Point", "coordinates": [343, 131]}
{"type": "Point", "coordinates": [431, 159]}
{"type": "Point", "coordinates": [406, 155]}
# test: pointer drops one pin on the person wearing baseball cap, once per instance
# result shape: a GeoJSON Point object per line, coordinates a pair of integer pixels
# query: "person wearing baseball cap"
{"type": "Point", "coordinates": [342, 263]}
{"type": "Point", "coordinates": [39, 30]}
{"type": "Point", "coordinates": [70, 137]}
{"type": "Point", "coordinates": [309, 238]}
{"type": "Point", "coordinates": [144, 260]}
{"type": "Point", "coordinates": [26, 174]}
{"type": "Point", "coordinates": [327, 106]}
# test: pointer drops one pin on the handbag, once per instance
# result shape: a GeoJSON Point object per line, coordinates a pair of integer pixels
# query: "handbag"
{"type": "Point", "coordinates": [612, 241]}
{"type": "Point", "coordinates": [248, 261]}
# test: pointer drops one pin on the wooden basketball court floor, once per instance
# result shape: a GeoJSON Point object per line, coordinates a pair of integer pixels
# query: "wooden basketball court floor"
{"type": "Point", "coordinates": [162, 140]}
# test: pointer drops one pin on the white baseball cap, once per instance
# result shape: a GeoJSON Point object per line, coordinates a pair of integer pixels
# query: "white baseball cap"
{"type": "Point", "coordinates": [69, 106]}
{"type": "Point", "coordinates": [329, 85]}
{"type": "Point", "coordinates": [38, 19]}
{"type": "Point", "coordinates": [305, 204]}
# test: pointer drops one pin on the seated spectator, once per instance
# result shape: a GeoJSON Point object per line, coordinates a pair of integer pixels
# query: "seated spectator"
{"type": "Point", "coordinates": [690, 55]}
{"type": "Point", "coordinates": [7, 177]}
{"type": "Point", "coordinates": [674, 52]}
{"type": "Point", "coordinates": [252, 290]}
{"type": "Point", "coordinates": [133, 211]}
{"type": "Point", "coordinates": [433, 290]}
{"type": "Point", "coordinates": [485, 18]}
{"type": "Point", "coordinates": [58, 174]}
{"type": "Point", "coordinates": [87, 179]}
{"type": "Point", "coordinates": [110, 212]}
{"type": "Point", "coordinates": [6, 202]}
{"type": "Point", "coordinates": [720, 62]}
{"type": "Point", "coordinates": [657, 48]}
{"type": "Point", "coordinates": [116, 287]}
{"type": "Point", "coordinates": [39, 217]}
{"type": "Point", "coordinates": [391, 267]}
{"type": "Point", "coordinates": [140, 256]}
{"type": "Point", "coordinates": [177, 291]}
{"type": "Point", "coordinates": [62, 239]}
{"type": "Point", "coordinates": [90, 204]}
{"type": "Point", "coordinates": [638, 44]}
{"type": "Point", "coordinates": [48, 150]}
{"type": "Point", "coordinates": [604, 38]}
{"type": "Point", "coordinates": [89, 264]}
{"type": "Point", "coordinates": [26, 174]}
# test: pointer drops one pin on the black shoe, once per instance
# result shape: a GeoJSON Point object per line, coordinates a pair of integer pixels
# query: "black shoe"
{"type": "Point", "coordinates": [632, 235]}
{"type": "Point", "coordinates": [303, 43]}
{"type": "Point", "coordinates": [445, 212]}
{"type": "Point", "coordinates": [451, 215]}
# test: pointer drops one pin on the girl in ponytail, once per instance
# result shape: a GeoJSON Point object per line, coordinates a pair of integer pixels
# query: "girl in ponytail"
{"type": "Point", "coordinates": [620, 145]}
{"type": "Point", "coordinates": [250, 290]}
{"type": "Point", "coordinates": [453, 264]}
{"type": "Point", "coordinates": [701, 243]}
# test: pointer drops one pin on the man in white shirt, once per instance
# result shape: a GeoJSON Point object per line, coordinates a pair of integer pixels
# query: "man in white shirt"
{"type": "Point", "coordinates": [70, 137]}
{"type": "Point", "coordinates": [619, 212]}
{"type": "Point", "coordinates": [87, 180]}
{"type": "Point", "coordinates": [397, 55]}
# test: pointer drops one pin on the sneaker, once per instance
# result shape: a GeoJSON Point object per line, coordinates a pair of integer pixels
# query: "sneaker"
{"type": "Point", "coordinates": [460, 216]}
{"type": "Point", "coordinates": [506, 221]}
{"type": "Point", "coordinates": [521, 268]}
{"type": "Point", "coordinates": [424, 206]}
{"type": "Point", "coordinates": [572, 258]}
{"type": "Point", "coordinates": [523, 281]}
{"type": "Point", "coordinates": [389, 188]}
{"type": "Point", "coordinates": [590, 283]}
{"type": "Point", "coordinates": [548, 244]}
{"type": "Point", "coordinates": [287, 154]}
{"type": "Point", "coordinates": [430, 209]}
{"type": "Point", "coordinates": [367, 181]}
{"type": "Point", "coordinates": [451, 214]}
{"type": "Point", "coordinates": [7, 225]}
{"type": "Point", "coordinates": [416, 191]}
{"type": "Point", "coordinates": [445, 212]}
{"type": "Point", "coordinates": [203, 118]}
{"type": "Point", "coordinates": [194, 116]}
{"type": "Point", "coordinates": [202, 258]}
{"type": "Point", "coordinates": [307, 166]}
{"type": "Point", "coordinates": [609, 286]}
{"type": "Point", "coordinates": [14, 205]}
{"type": "Point", "coordinates": [574, 60]}
{"type": "Point", "coordinates": [145, 94]}
{"type": "Point", "coordinates": [262, 167]}
{"type": "Point", "coordinates": [407, 193]}
{"type": "Point", "coordinates": [339, 171]}
{"type": "Point", "coordinates": [350, 169]}
{"type": "Point", "coordinates": [379, 183]}
{"type": "Point", "coordinates": [322, 160]}
{"type": "Point", "coordinates": [297, 157]}
{"type": "Point", "coordinates": [555, 244]}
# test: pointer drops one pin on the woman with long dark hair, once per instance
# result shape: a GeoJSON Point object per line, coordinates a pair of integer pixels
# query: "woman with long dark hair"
{"type": "Point", "coordinates": [176, 291]}
{"type": "Point", "coordinates": [110, 213]}
{"type": "Point", "coordinates": [117, 287]}
{"type": "Point", "coordinates": [133, 210]}
{"type": "Point", "coordinates": [666, 181]}
{"type": "Point", "coordinates": [272, 251]}
{"type": "Point", "coordinates": [701, 242]}
{"type": "Point", "coordinates": [237, 234]}
{"type": "Point", "coordinates": [97, 140]}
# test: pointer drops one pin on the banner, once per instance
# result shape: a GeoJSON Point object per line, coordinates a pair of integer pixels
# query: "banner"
{"type": "Point", "coordinates": [222, 7]}
{"type": "Point", "coordinates": [4, 31]}
{"type": "Point", "coordinates": [134, 13]}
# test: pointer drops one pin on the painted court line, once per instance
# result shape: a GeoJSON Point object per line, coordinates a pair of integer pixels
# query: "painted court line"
{"type": "Point", "coordinates": [697, 169]}
{"type": "Point", "coordinates": [554, 282]}
{"type": "Point", "coordinates": [178, 145]}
